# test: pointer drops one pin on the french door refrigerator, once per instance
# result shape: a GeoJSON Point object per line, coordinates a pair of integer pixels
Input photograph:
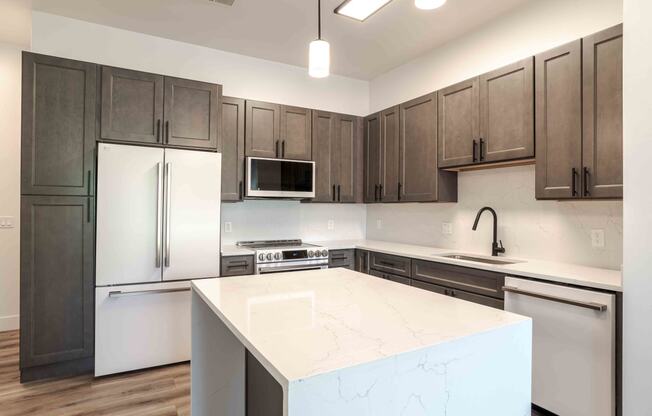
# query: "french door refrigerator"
{"type": "Point", "coordinates": [158, 226]}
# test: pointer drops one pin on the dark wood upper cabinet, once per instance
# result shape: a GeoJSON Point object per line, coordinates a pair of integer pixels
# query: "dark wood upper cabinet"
{"type": "Point", "coordinates": [233, 163]}
{"type": "Point", "coordinates": [56, 280]}
{"type": "Point", "coordinates": [507, 113]}
{"type": "Point", "coordinates": [347, 171]}
{"type": "Point", "coordinates": [459, 124]}
{"type": "Point", "coordinates": [324, 137]}
{"type": "Point", "coordinates": [296, 133]}
{"type": "Point", "coordinates": [418, 149]}
{"type": "Point", "coordinates": [132, 106]}
{"type": "Point", "coordinates": [372, 145]}
{"type": "Point", "coordinates": [58, 126]}
{"type": "Point", "coordinates": [558, 111]}
{"type": "Point", "coordinates": [389, 159]}
{"type": "Point", "coordinates": [262, 129]}
{"type": "Point", "coordinates": [602, 142]}
{"type": "Point", "coordinates": [191, 113]}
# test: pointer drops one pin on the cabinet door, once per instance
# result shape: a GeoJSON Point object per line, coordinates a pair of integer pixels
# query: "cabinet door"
{"type": "Point", "coordinates": [262, 129]}
{"type": "Point", "coordinates": [132, 106]}
{"type": "Point", "coordinates": [361, 261]}
{"type": "Point", "coordinates": [372, 157]}
{"type": "Point", "coordinates": [56, 279]}
{"type": "Point", "coordinates": [58, 126]}
{"type": "Point", "coordinates": [345, 158]}
{"type": "Point", "coordinates": [558, 111]}
{"type": "Point", "coordinates": [458, 121]}
{"type": "Point", "coordinates": [233, 117]}
{"type": "Point", "coordinates": [507, 113]}
{"type": "Point", "coordinates": [191, 113]}
{"type": "Point", "coordinates": [602, 141]}
{"type": "Point", "coordinates": [296, 133]}
{"type": "Point", "coordinates": [418, 150]}
{"type": "Point", "coordinates": [323, 134]}
{"type": "Point", "coordinates": [389, 166]}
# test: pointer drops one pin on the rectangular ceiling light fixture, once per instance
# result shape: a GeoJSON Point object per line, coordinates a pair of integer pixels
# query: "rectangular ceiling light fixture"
{"type": "Point", "coordinates": [360, 9]}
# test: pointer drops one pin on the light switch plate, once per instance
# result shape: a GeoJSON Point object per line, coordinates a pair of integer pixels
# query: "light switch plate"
{"type": "Point", "coordinates": [597, 238]}
{"type": "Point", "coordinates": [331, 224]}
{"type": "Point", "coordinates": [228, 227]}
{"type": "Point", "coordinates": [6, 222]}
{"type": "Point", "coordinates": [447, 228]}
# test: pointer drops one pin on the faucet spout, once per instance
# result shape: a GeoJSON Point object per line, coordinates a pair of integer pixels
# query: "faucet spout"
{"type": "Point", "coordinates": [495, 248]}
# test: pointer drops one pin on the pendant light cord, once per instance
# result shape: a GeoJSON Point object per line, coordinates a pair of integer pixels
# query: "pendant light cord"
{"type": "Point", "coordinates": [319, 19]}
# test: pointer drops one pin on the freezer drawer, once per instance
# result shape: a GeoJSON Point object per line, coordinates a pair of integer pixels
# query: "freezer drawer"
{"type": "Point", "coordinates": [140, 326]}
{"type": "Point", "coordinates": [574, 346]}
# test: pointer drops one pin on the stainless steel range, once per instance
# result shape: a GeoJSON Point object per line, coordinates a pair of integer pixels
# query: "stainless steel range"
{"type": "Point", "coordinates": [275, 256]}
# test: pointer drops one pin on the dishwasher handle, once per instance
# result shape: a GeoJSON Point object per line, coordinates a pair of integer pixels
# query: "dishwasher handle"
{"type": "Point", "coordinates": [588, 305]}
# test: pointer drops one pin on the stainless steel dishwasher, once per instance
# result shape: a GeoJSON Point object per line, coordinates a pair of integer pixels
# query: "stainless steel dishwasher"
{"type": "Point", "coordinates": [574, 346]}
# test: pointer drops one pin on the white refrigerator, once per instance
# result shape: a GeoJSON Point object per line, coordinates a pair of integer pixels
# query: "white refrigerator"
{"type": "Point", "coordinates": [158, 226]}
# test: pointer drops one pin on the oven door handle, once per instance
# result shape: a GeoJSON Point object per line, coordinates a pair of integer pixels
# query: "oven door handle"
{"type": "Point", "coordinates": [263, 270]}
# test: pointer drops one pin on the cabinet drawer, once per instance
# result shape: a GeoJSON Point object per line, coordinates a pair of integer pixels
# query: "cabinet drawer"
{"type": "Point", "coordinates": [237, 266]}
{"type": "Point", "coordinates": [476, 281]}
{"type": "Point", "coordinates": [342, 258]}
{"type": "Point", "coordinates": [390, 264]}
{"type": "Point", "coordinates": [392, 277]}
{"type": "Point", "coordinates": [460, 294]}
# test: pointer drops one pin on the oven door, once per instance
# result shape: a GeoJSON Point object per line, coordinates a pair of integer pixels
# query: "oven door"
{"type": "Point", "coordinates": [280, 178]}
{"type": "Point", "coordinates": [295, 266]}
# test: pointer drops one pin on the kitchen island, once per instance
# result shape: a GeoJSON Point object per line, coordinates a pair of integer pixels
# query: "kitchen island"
{"type": "Point", "coordinates": [338, 342]}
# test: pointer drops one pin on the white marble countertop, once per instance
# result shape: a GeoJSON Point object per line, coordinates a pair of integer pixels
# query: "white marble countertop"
{"type": "Point", "coordinates": [234, 250]}
{"type": "Point", "coordinates": [591, 277]}
{"type": "Point", "coordinates": [302, 324]}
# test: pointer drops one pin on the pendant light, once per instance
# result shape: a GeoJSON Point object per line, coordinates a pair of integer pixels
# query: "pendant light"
{"type": "Point", "coordinates": [429, 4]}
{"type": "Point", "coordinates": [319, 54]}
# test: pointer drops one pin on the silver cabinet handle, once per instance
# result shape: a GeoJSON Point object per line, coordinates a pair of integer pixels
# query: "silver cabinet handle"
{"type": "Point", "coordinates": [168, 190]}
{"type": "Point", "coordinates": [121, 294]}
{"type": "Point", "coordinates": [159, 213]}
{"type": "Point", "coordinates": [588, 305]}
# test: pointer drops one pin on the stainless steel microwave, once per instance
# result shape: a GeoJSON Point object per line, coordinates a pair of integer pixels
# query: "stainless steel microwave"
{"type": "Point", "coordinates": [280, 178]}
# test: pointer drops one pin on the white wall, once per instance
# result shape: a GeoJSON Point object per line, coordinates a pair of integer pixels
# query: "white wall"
{"type": "Point", "coordinates": [241, 76]}
{"type": "Point", "coordinates": [14, 36]}
{"type": "Point", "coordinates": [545, 230]}
{"type": "Point", "coordinates": [532, 28]}
{"type": "Point", "coordinates": [637, 341]}
{"type": "Point", "coordinates": [264, 220]}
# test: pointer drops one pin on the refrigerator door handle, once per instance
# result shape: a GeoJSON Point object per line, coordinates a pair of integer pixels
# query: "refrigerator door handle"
{"type": "Point", "coordinates": [159, 214]}
{"type": "Point", "coordinates": [168, 173]}
{"type": "Point", "coordinates": [121, 294]}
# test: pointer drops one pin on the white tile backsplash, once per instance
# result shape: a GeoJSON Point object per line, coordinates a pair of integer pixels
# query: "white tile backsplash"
{"type": "Point", "coordinates": [546, 230]}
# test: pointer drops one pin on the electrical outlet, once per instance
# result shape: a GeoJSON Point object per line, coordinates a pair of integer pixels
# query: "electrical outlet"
{"type": "Point", "coordinates": [379, 223]}
{"type": "Point", "coordinates": [597, 238]}
{"type": "Point", "coordinates": [228, 227]}
{"type": "Point", "coordinates": [331, 224]}
{"type": "Point", "coordinates": [447, 228]}
{"type": "Point", "coordinates": [6, 222]}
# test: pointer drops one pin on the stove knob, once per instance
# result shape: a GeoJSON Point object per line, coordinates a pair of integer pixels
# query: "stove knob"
{"type": "Point", "coordinates": [324, 253]}
{"type": "Point", "coordinates": [261, 257]}
{"type": "Point", "coordinates": [311, 253]}
{"type": "Point", "coordinates": [269, 256]}
{"type": "Point", "coordinates": [277, 256]}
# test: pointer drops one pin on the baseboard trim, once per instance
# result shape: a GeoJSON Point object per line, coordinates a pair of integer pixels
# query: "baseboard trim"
{"type": "Point", "coordinates": [9, 323]}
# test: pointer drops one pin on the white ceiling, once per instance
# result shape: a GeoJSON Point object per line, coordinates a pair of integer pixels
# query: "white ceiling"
{"type": "Point", "coordinates": [279, 30]}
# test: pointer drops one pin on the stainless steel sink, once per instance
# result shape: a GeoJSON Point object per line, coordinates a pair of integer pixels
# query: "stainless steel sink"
{"type": "Point", "coordinates": [487, 260]}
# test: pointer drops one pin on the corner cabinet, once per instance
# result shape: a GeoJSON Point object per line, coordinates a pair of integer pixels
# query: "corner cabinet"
{"type": "Point", "coordinates": [232, 148]}
{"type": "Point", "coordinates": [153, 109]}
{"type": "Point", "coordinates": [337, 152]}
{"type": "Point", "coordinates": [579, 119]}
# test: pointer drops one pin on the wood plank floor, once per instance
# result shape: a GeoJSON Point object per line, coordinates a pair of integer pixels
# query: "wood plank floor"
{"type": "Point", "coordinates": [163, 391]}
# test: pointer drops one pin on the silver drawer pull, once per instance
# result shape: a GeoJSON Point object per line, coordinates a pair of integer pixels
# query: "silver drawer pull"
{"type": "Point", "coordinates": [588, 305]}
{"type": "Point", "coordinates": [121, 294]}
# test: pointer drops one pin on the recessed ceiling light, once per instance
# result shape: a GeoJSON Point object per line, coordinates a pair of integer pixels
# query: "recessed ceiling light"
{"type": "Point", "coordinates": [360, 9]}
{"type": "Point", "coordinates": [429, 4]}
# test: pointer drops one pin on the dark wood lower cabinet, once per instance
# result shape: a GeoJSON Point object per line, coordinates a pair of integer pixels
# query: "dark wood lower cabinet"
{"type": "Point", "coordinates": [56, 286]}
{"type": "Point", "coordinates": [264, 395]}
{"type": "Point", "coordinates": [236, 266]}
{"type": "Point", "coordinates": [460, 294]}
{"type": "Point", "coordinates": [361, 261]}
{"type": "Point", "coordinates": [342, 258]}
{"type": "Point", "coordinates": [394, 278]}
{"type": "Point", "coordinates": [390, 264]}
